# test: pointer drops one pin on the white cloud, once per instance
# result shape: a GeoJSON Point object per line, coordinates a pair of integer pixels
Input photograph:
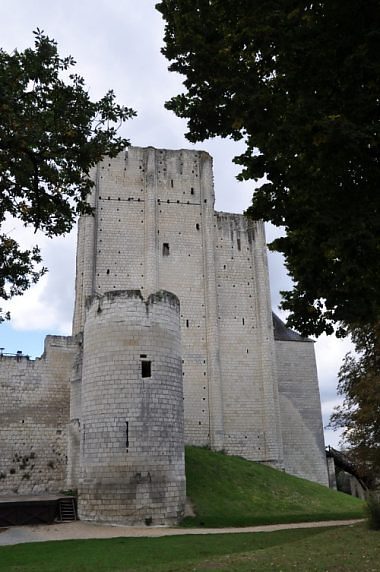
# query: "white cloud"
{"type": "Point", "coordinates": [330, 352]}
{"type": "Point", "coordinates": [333, 438]}
{"type": "Point", "coordinates": [48, 304]}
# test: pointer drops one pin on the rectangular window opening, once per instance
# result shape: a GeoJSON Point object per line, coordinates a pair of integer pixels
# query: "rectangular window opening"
{"type": "Point", "coordinates": [187, 323]}
{"type": "Point", "coordinates": [146, 369]}
{"type": "Point", "coordinates": [165, 249]}
{"type": "Point", "coordinates": [126, 434]}
{"type": "Point", "coordinates": [171, 183]}
{"type": "Point", "coordinates": [239, 244]}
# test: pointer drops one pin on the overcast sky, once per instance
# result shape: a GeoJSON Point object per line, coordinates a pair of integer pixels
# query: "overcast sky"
{"type": "Point", "coordinates": [116, 44]}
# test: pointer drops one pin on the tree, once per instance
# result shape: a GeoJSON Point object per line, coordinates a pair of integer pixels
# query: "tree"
{"type": "Point", "coordinates": [298, 81]}
{"type": "Point", "coordinates": [51, 134]}
{"type": "Point", "coordinates": [359, 416]}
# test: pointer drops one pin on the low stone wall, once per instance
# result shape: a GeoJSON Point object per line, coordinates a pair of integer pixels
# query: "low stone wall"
{"type": "Point", "coordinates": [34, 411]}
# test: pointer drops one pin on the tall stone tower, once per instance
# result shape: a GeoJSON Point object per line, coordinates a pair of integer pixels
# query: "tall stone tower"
{"type": "Point", "coordinates": [155, 228]}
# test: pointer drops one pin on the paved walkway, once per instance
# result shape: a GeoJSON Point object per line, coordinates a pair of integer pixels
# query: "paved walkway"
{"type": "Point", "coordinates": [79, 530]}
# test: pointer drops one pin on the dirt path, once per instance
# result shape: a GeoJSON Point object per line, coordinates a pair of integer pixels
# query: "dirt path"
{"type": "Point", "coordinates": [80, 530]}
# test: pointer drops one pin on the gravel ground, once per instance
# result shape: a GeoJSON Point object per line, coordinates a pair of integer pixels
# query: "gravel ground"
{"type": "Point", "coordinates": [78, 530]}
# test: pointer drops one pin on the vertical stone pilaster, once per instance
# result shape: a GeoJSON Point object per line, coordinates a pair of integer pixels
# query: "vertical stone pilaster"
{"type": "Point", "coordinates": [211, 308]}
{"type": "Point", "coordinates": [85, 259]}
{"type": "Point", "coordinates": [150, 231]}
{"type": "Point", "coordinates": [73, 427]}
{"type": "Point", "coordinates": [266, 349]}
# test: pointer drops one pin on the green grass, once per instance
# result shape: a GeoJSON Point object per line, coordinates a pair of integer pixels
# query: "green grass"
{"type": "Point", "coordinates": [227, 491]}
{"type": "Point", "coordinates": [230, 491]}
{"type": "Point", "coordinates": [340, 549]}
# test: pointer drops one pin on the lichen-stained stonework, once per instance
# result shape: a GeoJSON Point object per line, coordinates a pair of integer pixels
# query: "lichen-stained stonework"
{"type": "Point", "coordinates": [248, 388]}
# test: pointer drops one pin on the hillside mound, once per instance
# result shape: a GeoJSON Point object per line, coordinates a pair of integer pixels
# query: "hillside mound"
{"type": "Point", "coordinates": [231, 491]}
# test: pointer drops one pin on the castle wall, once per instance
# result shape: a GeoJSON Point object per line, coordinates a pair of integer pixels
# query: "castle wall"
{"type": "Point", "coordinates": [184, 214]}
{"type": "Point", "coordinates": [249, 377]}
{"type": "Point", "coordinates": [301, 420]}
{"type": "Point", "coordinates": [153, 229]}
{"type": "Point", "coordinates": [131, 449]}
{"type": "Point", "coordinates": [34, 410]}
{"type": "Point", "coordinates": [73, 427]}
{"type": "Point", "coordinates": [84, 415]}
{"type": "Point", "coordinates": [85, 261]}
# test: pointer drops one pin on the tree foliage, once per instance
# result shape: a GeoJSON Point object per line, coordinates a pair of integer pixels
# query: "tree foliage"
{"type": "Point", "coordinates": [298, 81]}
{"type": "Point", "coordinates": [359, 416]}
{"type": "Point", "coordinates": [51, 134]}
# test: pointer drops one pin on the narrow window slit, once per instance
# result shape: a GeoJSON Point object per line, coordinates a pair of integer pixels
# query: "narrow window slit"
{"type": "Point", "coordinates": [146, 369]}
{"type": "Point", "coordinates": [126, 434]}
{"type": "Point", "coordinates": [165, 249]}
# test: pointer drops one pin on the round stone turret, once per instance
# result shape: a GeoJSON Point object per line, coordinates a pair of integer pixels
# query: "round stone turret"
{"type": "Point", "coordinates": [132, 444]}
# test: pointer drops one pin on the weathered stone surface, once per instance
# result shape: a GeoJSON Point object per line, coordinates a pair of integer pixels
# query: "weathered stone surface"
{"type": "Point", "coordinates": [156, 228]}
{"type": "Point", "coordinates": [34, 410]}
{"type": "Point", "coordinates": [132, 444]}
{"type": "Point", "coordinates": [155, 231]}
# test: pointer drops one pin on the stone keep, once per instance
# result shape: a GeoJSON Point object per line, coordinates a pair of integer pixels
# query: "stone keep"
{"type": "Point", "coordinates": [249, 384]}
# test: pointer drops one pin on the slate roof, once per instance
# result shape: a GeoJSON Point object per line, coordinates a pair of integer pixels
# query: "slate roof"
{"type": "Point", "coordinates": [284, 334]}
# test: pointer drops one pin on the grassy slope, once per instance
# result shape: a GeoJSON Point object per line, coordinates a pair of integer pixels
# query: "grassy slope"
{"type": "Point", "coordinates": [346, 548]}
{"type": "Point", "coordinates": [230, 491]}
